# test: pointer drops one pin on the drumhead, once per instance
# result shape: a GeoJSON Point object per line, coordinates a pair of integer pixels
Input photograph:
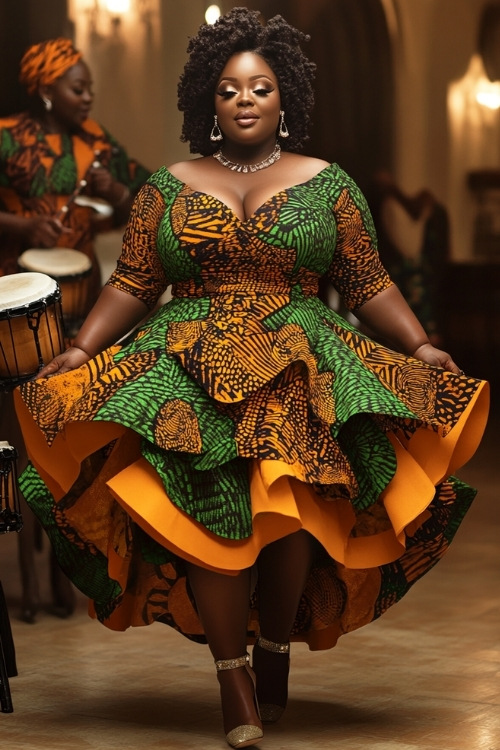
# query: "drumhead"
{"type": "Point", "coordinates": [19, 289]}
{"type": "Point", "coordinates": [57, 261]}
{"type": "Point", "coordinates": [102, 208]}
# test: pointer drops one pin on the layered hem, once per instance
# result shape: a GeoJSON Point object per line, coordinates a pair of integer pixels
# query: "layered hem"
{"type": "Point", "coordinates": [282, 505]}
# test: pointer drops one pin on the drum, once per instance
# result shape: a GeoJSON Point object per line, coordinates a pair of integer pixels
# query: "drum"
{"type": "Point", "coordinates": [71, 269]}
{"type": "Point", "coordinates": [31, 325]}
{"type": "Point", "coordinates": [10, 511]}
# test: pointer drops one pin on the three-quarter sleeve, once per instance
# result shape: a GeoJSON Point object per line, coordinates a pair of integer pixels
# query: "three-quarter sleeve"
{"type": "Point", "coordinates": [139, 270]}
{"type": "Point", "coordinates": [356, 270]}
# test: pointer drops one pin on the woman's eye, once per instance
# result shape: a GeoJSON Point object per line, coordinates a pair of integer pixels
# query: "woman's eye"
{"type": "Point", "coordinates": [262, 92]}
{"type": "Point", "coordinates": [227, 94]}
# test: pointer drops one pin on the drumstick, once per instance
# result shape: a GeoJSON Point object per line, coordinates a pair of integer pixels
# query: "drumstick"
{"type": "Point", "coordinates": [64, 209]}
{"type": "Point", "coordinates": [83, 183]}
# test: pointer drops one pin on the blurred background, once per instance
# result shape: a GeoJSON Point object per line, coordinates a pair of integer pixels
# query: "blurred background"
{"type": "Point", "coordinates": [407, 102]}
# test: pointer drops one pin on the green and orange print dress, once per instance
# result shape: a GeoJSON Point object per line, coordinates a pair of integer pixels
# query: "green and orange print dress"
{"type": "Point", "coordinates": [243, 410]}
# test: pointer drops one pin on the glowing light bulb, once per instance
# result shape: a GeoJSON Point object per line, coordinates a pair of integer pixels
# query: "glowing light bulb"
{"type": "Point", "coordinates": [212, 13]}
{"type": "Point", "coordinates": [118, 6]}
{"type": "Point", "coordinates": [489, 97]}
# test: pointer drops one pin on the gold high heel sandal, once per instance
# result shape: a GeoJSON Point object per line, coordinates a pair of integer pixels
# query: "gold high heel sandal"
{"type": "Point", "coordinates": [244, 735]}
{"type": "Point", "coordinates": [271, 712]}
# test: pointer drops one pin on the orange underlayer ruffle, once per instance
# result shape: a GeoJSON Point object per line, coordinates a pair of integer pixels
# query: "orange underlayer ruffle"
{"type": "Point", "coordinates": [281, 504]}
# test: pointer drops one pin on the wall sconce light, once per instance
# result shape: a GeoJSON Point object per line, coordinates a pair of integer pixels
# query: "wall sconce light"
{"type": "Point", "coordinates": [117, 7]}
{"type": "Point", "coordinates": [103, 12]}
{"type": "Point", "coordinates": [212, 13]}
{"type": "Point", "coordinates": [488, 93]}
{"type": "Point", "coordinates": [488, 90]}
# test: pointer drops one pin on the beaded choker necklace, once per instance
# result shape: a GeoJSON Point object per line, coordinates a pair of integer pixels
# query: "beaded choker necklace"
{"type": "Point", "coordinates": [235, 167]}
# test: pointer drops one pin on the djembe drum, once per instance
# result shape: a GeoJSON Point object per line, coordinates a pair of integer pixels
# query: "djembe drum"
{"type": "Point", "coordinates": [31, 326]}
{"type": "Point", "coordinates": [72, 270]}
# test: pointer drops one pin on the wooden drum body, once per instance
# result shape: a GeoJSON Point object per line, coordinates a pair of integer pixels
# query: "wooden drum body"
{"type": "Point", "coordinates": [72, 270]}
{"type": "Point", "coordinates": [31, 325]}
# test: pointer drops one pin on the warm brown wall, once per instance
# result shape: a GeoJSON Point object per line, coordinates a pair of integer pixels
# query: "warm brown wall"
{"type": "Point", "coordinates": [24, 22]}
{"type": "Point", "coordinates": [354, 113]}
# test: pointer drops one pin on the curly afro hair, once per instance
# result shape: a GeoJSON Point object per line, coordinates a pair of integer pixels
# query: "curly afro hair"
{"type": "Point", "coordinates": [241, 30]}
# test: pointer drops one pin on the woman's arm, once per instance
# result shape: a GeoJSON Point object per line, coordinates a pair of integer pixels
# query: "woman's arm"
{"type": "Point", "coordinates": [35, 231]}
{"type": "Point", "coordinates": [131, 291]}
{"type": "Point", "coordinates": [114, 314]}
{"type": "Point", "coordinates": [118, 179]}
{"type": "Point", "coordinates": [365, 286]}
{"type": "Point", "coordinates": [390, 317]}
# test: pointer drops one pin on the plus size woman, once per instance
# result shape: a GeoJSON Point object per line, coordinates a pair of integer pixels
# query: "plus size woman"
{"type": "Point", "coordinates": [245, 466]}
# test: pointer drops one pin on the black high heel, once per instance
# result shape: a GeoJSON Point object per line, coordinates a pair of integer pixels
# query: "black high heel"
{"type": "Point", "coordinates": [272, 678]}
{"type": "Point", "coordinates": [243, 735]}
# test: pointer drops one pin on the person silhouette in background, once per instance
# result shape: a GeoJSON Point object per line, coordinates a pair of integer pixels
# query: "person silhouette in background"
{"type": "Point", "coordinates": [414, 244]}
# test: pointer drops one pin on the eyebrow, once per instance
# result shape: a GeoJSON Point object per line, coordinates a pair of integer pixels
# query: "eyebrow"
{"type": "Point", "coordinates": [82, 81]}
{"type": "Point", "coordinates": [252, 78]}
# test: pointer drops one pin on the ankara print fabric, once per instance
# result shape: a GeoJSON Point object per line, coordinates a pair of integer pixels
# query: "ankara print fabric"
{"type": "Point", "coordinates": [39, 171]}
{"type": "Point", "coordinates": [244, 409]}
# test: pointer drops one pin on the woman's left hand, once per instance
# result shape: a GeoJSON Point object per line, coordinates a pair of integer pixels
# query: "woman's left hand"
{"type": "Point", "coordinates": [437, 358]}
{"type": "Point", "coordinates": [103, 185]}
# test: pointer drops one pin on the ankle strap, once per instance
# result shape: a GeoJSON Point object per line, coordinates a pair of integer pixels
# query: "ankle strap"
{"type": "Point", "coordinates": [241, 661]}
{"type": "Point", "coordinates": [277, 648]}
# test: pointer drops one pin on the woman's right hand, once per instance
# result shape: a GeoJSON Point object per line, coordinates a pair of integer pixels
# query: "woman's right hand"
{"type": "Point", "coordinates": [70, 359]}
{"type": "Point", "coordinates": [43, 231]}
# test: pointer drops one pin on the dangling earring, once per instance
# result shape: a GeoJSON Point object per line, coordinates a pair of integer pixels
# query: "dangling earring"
{"type": "Point", "coordinates": [47, 103]}
{"type": "Point", "coordinates": [216, 132]}
{"type": "Point", "coordinates": [283, 131]}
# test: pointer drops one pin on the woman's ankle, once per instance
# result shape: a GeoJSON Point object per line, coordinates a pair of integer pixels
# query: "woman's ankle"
{"type": "Point", "coordinates": [238, 699]}
{"type": "Point", "coordinates": [271, 666]}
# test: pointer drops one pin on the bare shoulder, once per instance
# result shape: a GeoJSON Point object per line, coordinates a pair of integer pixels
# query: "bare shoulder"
{"type": "Point", "coordinates": [186, 170]}
{"type": "Point", "coordinates": [304, 167]}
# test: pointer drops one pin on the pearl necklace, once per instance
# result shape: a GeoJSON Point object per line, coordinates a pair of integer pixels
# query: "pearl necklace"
{"type": "Point", "coordinates": [235, 167]}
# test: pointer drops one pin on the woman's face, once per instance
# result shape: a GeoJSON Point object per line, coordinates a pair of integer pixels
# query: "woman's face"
{"type": "Point", "coordinates": [247, 100]}
{"type": "Point", "coordinates": [72, 96]}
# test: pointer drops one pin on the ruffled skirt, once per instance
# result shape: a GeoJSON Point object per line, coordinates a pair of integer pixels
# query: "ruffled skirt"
{"type": "Point", "coordinates": [124, 515]}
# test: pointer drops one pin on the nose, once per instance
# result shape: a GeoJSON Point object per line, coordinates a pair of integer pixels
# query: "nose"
{"type": "Point", "coordinates": [245, 98]}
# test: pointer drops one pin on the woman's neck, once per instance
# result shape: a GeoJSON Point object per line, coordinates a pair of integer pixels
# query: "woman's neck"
{"type": "Point", "coordinates": [247, 154]}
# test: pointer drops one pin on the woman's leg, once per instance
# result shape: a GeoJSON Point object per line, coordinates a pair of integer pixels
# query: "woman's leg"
{"type": "Point", "coordinates": [222, 602]}
{"type": "Point", "coordinates": [283, 570]}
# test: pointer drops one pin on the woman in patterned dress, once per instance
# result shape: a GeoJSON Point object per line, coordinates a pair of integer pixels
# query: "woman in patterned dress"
{"type": "Point", "coordinates": [245, 466]}
{"type": "Point", "coordinates": [45, 153]}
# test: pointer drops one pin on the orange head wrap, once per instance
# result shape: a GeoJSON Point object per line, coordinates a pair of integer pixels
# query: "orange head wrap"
{"type": "Point", "coordinates": [44, 63]}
